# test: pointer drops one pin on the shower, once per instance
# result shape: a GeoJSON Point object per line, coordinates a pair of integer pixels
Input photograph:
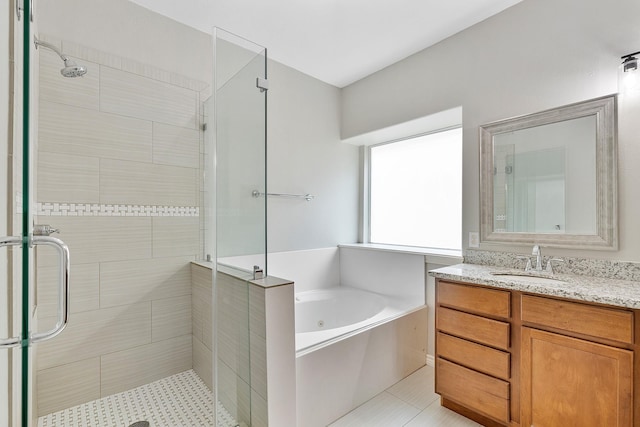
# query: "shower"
{"type": "Point", "coordinates": [71, 69]}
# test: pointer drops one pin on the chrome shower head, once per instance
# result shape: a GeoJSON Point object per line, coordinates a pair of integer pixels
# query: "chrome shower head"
{"type": "Point", "coordinates": [71, 69]}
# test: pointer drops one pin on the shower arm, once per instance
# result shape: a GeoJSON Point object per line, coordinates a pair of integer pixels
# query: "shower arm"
{"type": "Point", "coordinates": [39, 42]}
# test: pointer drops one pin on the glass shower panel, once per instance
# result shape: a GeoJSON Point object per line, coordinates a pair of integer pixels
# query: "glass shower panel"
{"type": "Point", "coordinates": [239, 222]}
{"type": "Point", "coordinates": [240, 120]}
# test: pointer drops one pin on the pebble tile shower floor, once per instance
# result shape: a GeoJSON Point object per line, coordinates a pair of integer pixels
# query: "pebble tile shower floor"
{"type": "Point", "coordinates": [181, 400]}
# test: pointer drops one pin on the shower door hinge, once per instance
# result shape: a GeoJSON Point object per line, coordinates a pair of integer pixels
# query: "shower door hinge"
{"type": "Point", "coordinates": [20, 9]}
{"type": "Point", "coordinates": [262, 84]}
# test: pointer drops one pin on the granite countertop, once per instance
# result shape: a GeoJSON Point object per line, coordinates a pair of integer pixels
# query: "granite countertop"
{"type": "Point", "coordinates": [621, 293]}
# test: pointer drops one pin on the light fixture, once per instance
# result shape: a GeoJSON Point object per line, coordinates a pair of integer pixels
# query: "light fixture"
{"type": "Point", "coordinates": [629, 75]}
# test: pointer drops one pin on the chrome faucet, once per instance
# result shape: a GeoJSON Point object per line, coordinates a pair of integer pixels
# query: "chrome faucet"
{"type": "Point", "coordinates": [537, 252]}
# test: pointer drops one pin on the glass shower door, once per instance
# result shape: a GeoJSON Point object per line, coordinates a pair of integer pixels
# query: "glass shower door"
{"type": "Point", "coordinates": [15, 363]}
{"type": "Point", "coordinates": [117, 159]}
{"type": "Point", "coordinates": [19, 329]}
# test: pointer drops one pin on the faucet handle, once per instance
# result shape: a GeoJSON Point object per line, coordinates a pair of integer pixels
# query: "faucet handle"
{"type": "Point", "coordinates": [536, 250]}
{"type": "Point", "coordinates": [549, 268]}
{"type": "Point", "coordinates": [528, 267]}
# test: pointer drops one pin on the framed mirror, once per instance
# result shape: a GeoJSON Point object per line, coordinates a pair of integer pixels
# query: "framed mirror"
{"type": "Point", "coordinates": [549, 178]}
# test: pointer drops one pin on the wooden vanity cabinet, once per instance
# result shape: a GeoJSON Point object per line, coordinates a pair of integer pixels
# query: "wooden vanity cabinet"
{"type": "Point", "coordinates": [473, 358]}
{"type": "Point", "coordinates": [566, 380]}
{"type": "Point", "coordinates": [514, 359]}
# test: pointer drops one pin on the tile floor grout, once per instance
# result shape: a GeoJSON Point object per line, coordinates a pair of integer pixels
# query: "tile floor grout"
{"type": "Point", "coordinates": [186, 402]}
{"type": "Point", "coordinates": [412, 402]}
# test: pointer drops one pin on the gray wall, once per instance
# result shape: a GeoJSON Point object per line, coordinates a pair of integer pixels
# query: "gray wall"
{"type": "Point", "coordinates": [536, 55]}
{"type": "Point", "coordinates": [305, 155]}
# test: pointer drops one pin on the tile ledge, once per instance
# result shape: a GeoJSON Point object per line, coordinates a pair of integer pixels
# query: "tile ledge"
{"type": "Point", "coordinates": [432, 255]}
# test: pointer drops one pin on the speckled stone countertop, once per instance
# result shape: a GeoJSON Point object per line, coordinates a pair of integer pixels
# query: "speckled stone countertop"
{"type": "Point", "coordinates": [621, 293]}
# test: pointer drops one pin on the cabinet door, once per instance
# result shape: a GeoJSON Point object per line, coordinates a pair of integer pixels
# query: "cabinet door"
{"type": "Point", "coordinates": [571, 382]}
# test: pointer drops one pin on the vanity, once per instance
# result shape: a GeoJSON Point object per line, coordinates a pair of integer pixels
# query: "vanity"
{"type": "Point", "coordinates": [522, 349]}
{"type": "Point", "coordinates": [528, 347]}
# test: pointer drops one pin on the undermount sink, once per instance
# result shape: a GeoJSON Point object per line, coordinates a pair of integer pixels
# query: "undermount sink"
{"type": "Point", "coordinates": [528, 277]}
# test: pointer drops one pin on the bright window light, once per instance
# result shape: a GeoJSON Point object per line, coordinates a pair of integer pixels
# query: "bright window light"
{"type": "Point", "coordinates": [416, 191]}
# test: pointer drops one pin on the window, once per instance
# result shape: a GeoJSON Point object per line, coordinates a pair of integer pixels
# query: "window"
{"type": "Point", "coordinates": [416, 191]}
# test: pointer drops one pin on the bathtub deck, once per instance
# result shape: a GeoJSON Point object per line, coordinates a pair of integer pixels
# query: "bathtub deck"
{"type": "Point", "coordinates": [410, 403]}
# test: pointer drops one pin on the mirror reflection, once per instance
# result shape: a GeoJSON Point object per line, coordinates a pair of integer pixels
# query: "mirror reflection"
{"type": "Point", "coordinates": [545, 178]}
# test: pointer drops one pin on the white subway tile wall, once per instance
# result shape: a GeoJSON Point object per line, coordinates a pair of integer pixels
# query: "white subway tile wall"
{"type": "Point", "coordinates": [119, 174]}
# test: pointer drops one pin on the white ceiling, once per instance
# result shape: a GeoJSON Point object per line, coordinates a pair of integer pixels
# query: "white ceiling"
{"type": "Point", "coordinates": [336, 41]}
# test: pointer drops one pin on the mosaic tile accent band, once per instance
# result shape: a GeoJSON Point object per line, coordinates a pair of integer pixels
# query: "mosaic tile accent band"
{"type": "Point", "coordinates": [94, 209]}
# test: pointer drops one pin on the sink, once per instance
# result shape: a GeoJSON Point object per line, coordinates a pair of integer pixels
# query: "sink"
{"type": "Point", "coordinates": [528, 277]}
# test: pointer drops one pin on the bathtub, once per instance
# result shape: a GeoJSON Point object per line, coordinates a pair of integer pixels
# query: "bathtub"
{"type": "Point", "coordinates": [358, 338]}
{"type": "Point", "coordinates": [327, 315]}
{"type": "Point", "coordinates": [361, 324]}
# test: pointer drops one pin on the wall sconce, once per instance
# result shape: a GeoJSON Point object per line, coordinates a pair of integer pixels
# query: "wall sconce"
{"type": "Point", "coordinates": [629, 74]}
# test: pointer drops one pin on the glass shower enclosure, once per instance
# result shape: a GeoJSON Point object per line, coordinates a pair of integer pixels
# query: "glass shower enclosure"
{"type": "Point", "coordinates": [115, 161]}
{"type": "Point", "coordinates": [237, 238]}
{"type": "Point", "coordinates": [239, 160]}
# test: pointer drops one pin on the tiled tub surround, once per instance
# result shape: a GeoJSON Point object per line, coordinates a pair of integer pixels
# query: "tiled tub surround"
{"type": "Point", "coordinates": [616, 292]}
{"type": "Point", "coordinates": [255, 317]}
{"type": "Point", "coordinates": [118, 173]}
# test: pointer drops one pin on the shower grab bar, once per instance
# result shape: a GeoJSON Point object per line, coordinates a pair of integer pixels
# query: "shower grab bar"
{"type": "Point", "coordinates": [307, 197]}
{"type": "Point", "coordinates": [63, 294]}
{"type": "Point", "coordinates": [64, 291]}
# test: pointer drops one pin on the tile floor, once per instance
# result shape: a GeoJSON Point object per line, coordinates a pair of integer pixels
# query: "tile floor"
{"type": "Point", "coordinates": [411, 402]}
{"type": "Point", "coordinates": [183, 400]}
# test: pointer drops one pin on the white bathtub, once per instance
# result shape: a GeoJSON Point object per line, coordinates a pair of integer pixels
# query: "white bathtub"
{"type": "Point", "coordinates": [327, 315]}
{"type": "Point", "coordinates": [352, 344]}
{"type": "Point", "coordinates": [361, 324]}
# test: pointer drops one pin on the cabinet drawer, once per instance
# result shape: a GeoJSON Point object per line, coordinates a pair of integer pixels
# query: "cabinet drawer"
{"type": "Point", "coordinates": [599, 322]}
{"type": "Point", "coordinates": [491, 302]}
{"type": "Point", "coordinates": [475, 328]}
{"type": "Point", "coordinates": [476, 356]}
{"type": "Point", "coordinates": [484, 394]}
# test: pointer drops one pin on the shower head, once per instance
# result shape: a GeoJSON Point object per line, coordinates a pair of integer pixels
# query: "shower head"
{"type": "Point", "coordinates": [71, 69]}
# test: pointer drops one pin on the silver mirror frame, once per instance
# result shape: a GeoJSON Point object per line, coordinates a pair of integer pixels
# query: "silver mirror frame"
{"type": "Point", "coordinates": [606, 237]}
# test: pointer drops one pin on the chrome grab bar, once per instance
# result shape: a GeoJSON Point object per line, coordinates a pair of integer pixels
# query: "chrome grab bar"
{"type": "Point", "coordinates": [63, 294]}
{"type": "Point", "coordinates": [307, 197]}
